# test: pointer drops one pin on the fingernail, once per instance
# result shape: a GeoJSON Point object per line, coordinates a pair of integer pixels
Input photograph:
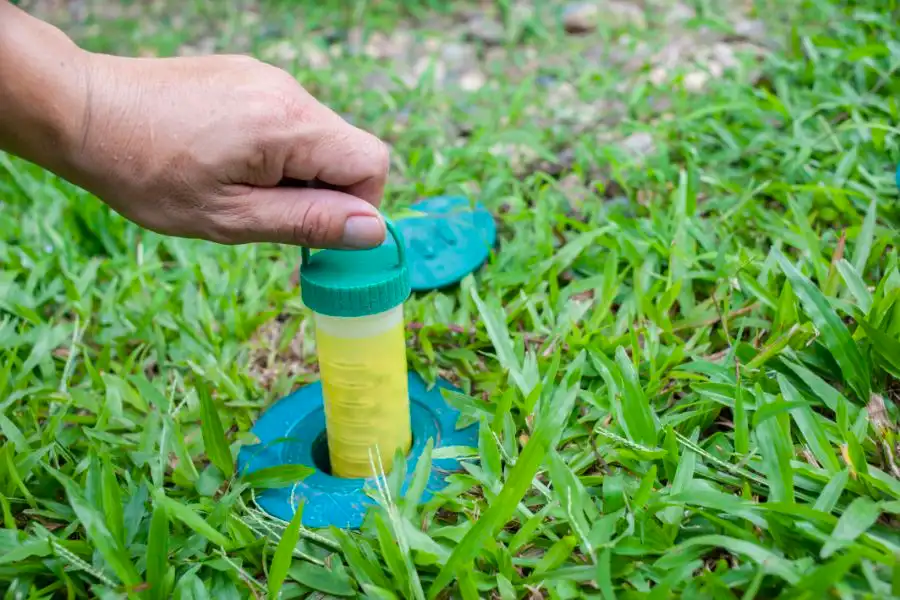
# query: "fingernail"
{"type": "Point", "coordinates": [363, 232]}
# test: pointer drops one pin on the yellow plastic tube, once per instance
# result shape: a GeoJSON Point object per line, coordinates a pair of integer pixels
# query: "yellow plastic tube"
{"type": "Point", "coordinates": [362, 362]}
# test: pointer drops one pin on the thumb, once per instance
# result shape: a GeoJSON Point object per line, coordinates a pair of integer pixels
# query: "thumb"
{"type": "Point", "coordinates": [315, 218]}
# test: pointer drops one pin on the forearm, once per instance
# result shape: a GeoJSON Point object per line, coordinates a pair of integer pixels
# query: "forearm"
{"type": "Point", "coordinates": [43, 90]}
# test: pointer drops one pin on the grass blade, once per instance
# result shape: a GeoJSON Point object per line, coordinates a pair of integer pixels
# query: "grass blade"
{"type": "Point", "coordinates": [741, 425]}
{"type": "Point", "coordinates": [774, 564]}
{"type": "Point", "coordinates": [637, 407]}
{"type": "Point", "coordinates": [832, 491]}
{"type": "Point", "coordinates": [819, 581]}
{"type": "Point", "coordinates": [112, 502]}
{"type": "Point", "coordinates": [326, 582]}
{"type": "Point", "coordinates": [856, 285]}
{"type": "Point", "coordinates": [518, 483]}
{"type": "Point", "coordinates": [774, 440]}
{"type": "Point", "coordinates": [277, 477]}
{"type": "Point", "coordinates": [214, 434]}
{"type": "Point", "coordinates": [189, 517]}
{"type": "Point", "coordinates": [860, 515]}
{"type": "Point", "coordinates": [886, 347]}
{"type": "Point", "coordinates": [95, 526]}
{"type": "Point", "coordinates": [419, 481]}
{"type": "Point", "coordinates": [865, 239]}
{"type": "Point", "coordinates": [810, 428]}
{"type": "Point", "coordinates": [834, 333]}
{"type": "Point", "coordinates": [684, 473]}
{"type": "Point", "coordinates": [494, 320]}
{"type": "Point", "coordinates": [158, 553]}
{"type": "Point", "coordinates": [284, 554]}
{"type": "Point", "coordinates": [631, 407]}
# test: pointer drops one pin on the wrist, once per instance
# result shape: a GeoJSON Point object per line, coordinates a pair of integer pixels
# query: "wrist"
{"type": "Point", "coordinates": [44, 91]}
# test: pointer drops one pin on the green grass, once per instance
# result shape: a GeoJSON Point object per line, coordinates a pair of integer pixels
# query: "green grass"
{"type": "Point", "coordinates": [686, 381]}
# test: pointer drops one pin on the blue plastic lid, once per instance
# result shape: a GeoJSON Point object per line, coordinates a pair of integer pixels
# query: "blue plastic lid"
{"type": "Point", "coordinates": [449, 238]}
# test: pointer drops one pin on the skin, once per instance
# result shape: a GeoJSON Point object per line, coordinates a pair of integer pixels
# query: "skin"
{"type": "Point", "coordinates": [197, 147]}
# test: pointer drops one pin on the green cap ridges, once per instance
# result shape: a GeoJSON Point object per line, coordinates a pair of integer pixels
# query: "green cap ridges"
{"type": "Point", "coordinates": [356, 283]}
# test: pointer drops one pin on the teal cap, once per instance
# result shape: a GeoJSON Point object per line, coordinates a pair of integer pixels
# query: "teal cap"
{"type": "Point", "coordinates": [355, 283]}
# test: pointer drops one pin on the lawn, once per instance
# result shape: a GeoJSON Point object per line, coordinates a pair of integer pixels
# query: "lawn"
{"type": "Point", "coordinates": [684, 354]}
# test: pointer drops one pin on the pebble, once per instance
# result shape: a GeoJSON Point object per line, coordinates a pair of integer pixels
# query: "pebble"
{"type": "Point", "coordinates": [573, 190]}
{"type": "Point", "coordinates": [379, 80]}
{"type": "Point", "coordinates": [658, 76]}
{"type": "Point", "coordinates": [753, 30]}
{"type": "Point", "coordinates": [581, 17]}
{"type": "Point", "coordinates": [679, 13]}
{"type": "Point", "coordinates": [205, 46]}
{"type": "Point", "coordinates": [458, 56]}
{"type": "Point", "coordinates": [486, 30]}
{"type": "Point", "coordinates": [379, 46]}
{"type": "Point", "coordinates": [724, 55]}
{"type": "Point", "coordinates": [696, 81]}
{"type": "Point", "coordinates": [639, 144]}
{"type": "Point", "coordinates": [520, 156]}
{"type": "Point", "coordinates": [281, 52]}
{"type": "Point", "coordinates": [522, 13]}
{"type": "Point", "coordinates": [472, 81]}
{"type": "Point", "coordinates": [584, 17]}
{"type": "Point", "coordinates": [625, 14]}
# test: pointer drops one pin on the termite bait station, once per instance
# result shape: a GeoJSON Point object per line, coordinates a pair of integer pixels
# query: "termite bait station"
{"type": "Point", "coordinates": [366, 405]}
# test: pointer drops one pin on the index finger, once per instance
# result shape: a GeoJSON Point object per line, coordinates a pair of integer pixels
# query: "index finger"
{"type": "Point", "coordinates": [340, 155]}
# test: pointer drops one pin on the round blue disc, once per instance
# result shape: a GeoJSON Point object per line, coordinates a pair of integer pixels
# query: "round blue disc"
{"type": "Point", "coordinates": [449, 238]}
{"type": "Point", "coordinates": [292, 432]}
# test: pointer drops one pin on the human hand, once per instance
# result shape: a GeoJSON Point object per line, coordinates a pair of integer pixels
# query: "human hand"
{"type": "Point", "coordinates": [197, 147]}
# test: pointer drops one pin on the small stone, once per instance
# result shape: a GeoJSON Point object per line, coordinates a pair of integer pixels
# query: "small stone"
{"type": "Point", "coordinates": [581, 17]}
{"type": "Point", "coordinates": [315, 57]}
{"type": "Point", "coordinates": [638, 145]}
{"type": "Point", "coordinates": [204, 47]}
{"type": "Point", "coordinates": [753, 30]}
{"type": "Point", "coordinates": [282, 52]}
{"type": "Point", "coordinates": [521, 156]}
{"type": "Point", "coordinates": [485, 30]}
{"type": "Point", "coordinates": [679, 13]}
{"type": "Point", "coordinates": [625, 14]}
{"type": "Point", "coordinates": [427, 65]}
{"type": "Point", "coordinates": [696, 81]}
{"type": "Point", "coordinates": [522, 13]}
{"type": "Point", "coordinates": [458, 56]}
{"type": "Point", "coordinates": [496, 56]}
{"type": "Point", "coordinates": [355, 40]}
{"type": "Point", "coordinates": [574, 191]}
{"type": "Point", "coordinates": [379, 80]}
{"type": "Point", "coordinates": [724, 55]}
{"type": "Point", "coordinates": [472, 81]}
{"type": "Point", "coordinates": [377, 46]}
{"type": "Point", "coordinates": [658, 76]}
{"type": "Point", "coordinates": [661, 104]}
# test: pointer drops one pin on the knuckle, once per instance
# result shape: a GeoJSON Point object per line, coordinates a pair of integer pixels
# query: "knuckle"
{"type": "Point", "coordinates": [243, 61]}
{"type": "Point", "coordinates": [264, 110]}
{"type": "Point", "coordinates": [381, 158]}
{"type": "Point", "coordinates": [312, 225]}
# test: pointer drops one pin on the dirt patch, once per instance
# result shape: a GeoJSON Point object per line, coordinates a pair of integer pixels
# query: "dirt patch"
{"type": "Point", "coordinates": [272, 356]}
